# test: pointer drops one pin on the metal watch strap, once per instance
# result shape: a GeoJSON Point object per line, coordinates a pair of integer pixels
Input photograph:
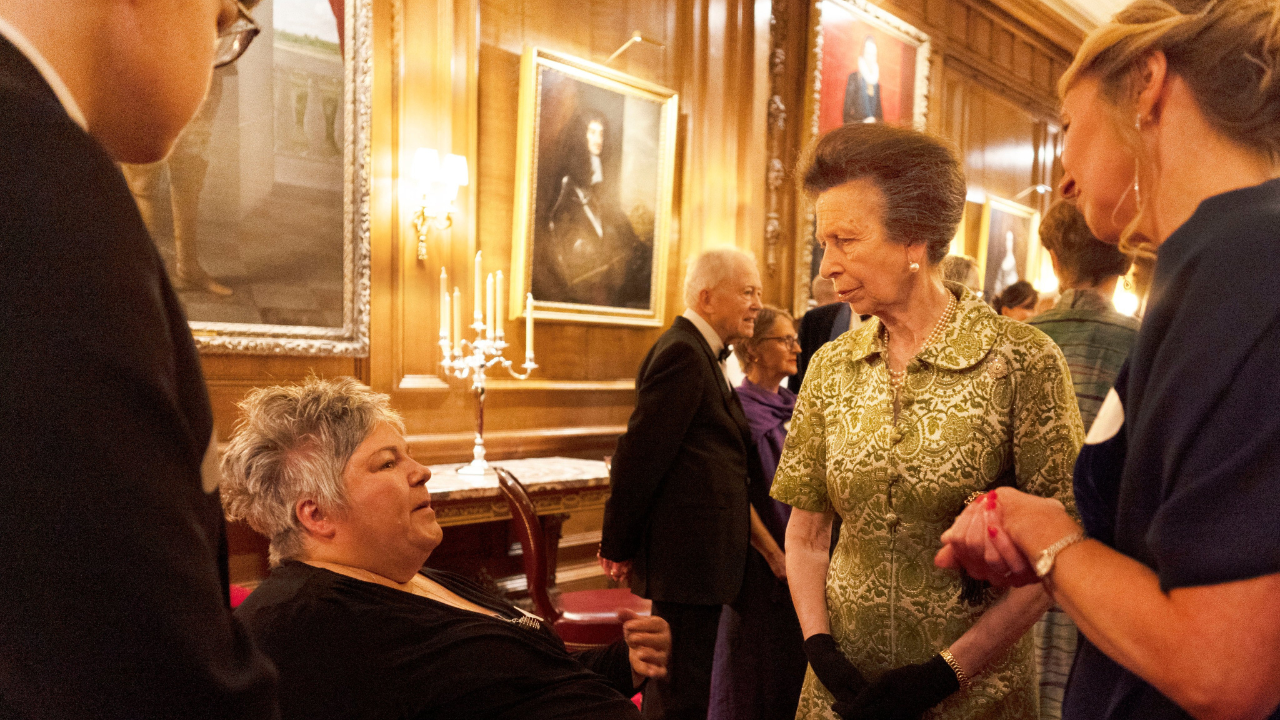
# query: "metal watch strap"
{"type": "Point", "coordinates": [1044, 564]}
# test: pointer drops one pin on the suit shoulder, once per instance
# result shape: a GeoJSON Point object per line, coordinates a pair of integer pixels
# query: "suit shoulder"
{"type": "Point", "coordinates": [675, 348]}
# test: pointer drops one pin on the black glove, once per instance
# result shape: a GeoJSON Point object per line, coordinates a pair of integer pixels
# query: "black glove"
{"type": "Point", "coordinates": [835, 671]}
{"type": "Point", "coordinates": [904, 693]}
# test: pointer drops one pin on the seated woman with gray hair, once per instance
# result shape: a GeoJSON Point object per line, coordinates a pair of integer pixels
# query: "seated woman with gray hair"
{"type": "Point", "coordinates": [353, 622]}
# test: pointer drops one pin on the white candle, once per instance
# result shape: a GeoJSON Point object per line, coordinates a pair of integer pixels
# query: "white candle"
{"type": "Point", "coordinates": [488, 306]}
{"type": "Point", "coordinates": [499, 311]}
{"type": "Point", "coordinates": [444, 305]}
{"type": "Point", "coordinates": [478, 308]}
{"type": "Point", "coordinates": [457, 321]}
{"type": "Point", "coordinates": [528, 325]}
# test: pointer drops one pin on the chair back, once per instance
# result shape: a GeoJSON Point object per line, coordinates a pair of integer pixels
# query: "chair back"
{"type": "Point", "coordinates": [532, 542]}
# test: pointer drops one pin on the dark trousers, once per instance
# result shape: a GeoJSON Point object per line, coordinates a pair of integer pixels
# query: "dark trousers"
{"type": "Point", "coordinates": [686, 691]}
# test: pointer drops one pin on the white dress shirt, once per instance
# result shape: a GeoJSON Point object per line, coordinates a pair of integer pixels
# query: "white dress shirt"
{"type": "Point", "coordinates": [712, 338]}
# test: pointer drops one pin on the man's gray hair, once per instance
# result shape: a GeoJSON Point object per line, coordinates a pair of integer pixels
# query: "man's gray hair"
{"type": "Point", "coordinates": [293, 443]}
{"type": "Point", "coordinates": [712, 267]}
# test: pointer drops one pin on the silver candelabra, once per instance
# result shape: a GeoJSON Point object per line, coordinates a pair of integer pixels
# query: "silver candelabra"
{"type": "Point", "coordinates": [463, 359]}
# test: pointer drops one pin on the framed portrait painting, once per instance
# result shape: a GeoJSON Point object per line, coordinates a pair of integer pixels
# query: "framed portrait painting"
{"type": "Point", "coordinates": [592, 225]}
{"type": "Point", "coordinates": [864, 65]}
{"type": "Point", "coordinates": [261, 212]}
{"type": "Point", "coordinates": [1009, 245]}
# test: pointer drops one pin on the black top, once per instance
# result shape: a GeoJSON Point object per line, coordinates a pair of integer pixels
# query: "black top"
{"type": "Point", "coordinates": [1198, 495]}
{"type": "Point", "coordinates": [818, 327]}
{"type": "Point", "coordinates": [679, 504]}
{"type": "Point", "coordinates": [113, 592]}
{"type": "Point", "coordinates": [346, 648]}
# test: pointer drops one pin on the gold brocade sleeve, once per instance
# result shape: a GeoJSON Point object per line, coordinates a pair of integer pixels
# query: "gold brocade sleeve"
{"type": "Point", "coordinates": [1047, 430]}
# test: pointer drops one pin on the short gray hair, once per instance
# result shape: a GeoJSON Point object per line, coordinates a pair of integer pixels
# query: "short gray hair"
{"type": "Point", "coordinates": [293, 443]}
{"type": "Point", "coordinates": [711, 268]}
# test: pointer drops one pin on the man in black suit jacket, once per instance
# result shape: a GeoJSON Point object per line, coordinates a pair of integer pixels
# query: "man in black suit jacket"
{"type": "Point", "coordinates": [817, 327]}
{"type": "Point", "coordinates": [677, 524]}
{"type": "Point", "coordinates": [112, 553]}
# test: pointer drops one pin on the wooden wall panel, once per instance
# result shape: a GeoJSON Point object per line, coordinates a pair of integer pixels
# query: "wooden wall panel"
{"type": "Point", "coordinates": [714, 56]}
{"type": "Point", "coordinates": [993, 79]}
{"type": "Point", "coordinates": [446, 75]}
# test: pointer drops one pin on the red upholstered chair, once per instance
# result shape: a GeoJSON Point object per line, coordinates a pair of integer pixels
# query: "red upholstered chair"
{"type": "Point", "coordinates": [581, 618]}
{"type": "Point", "coordinates": [239, 594]}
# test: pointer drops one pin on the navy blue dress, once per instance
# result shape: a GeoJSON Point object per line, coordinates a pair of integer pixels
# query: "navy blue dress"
{"type": "Point", "coordinates": [1190, 483]}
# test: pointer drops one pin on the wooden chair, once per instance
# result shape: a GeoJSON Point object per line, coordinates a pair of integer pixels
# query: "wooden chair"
{"type": "Point", "coordinates": [583, 618]}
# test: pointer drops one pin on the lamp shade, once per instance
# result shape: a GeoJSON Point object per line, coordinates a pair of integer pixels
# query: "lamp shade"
{"type": "Point", "coordinates": [426, 166]}
{"type": "Point", "coordinates": [454, 170]}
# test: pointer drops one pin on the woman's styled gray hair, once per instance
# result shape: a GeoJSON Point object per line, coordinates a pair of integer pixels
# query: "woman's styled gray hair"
{"type": "Point", "coordinates": [293, 443]}
{"type": "Point", "coordinates": [712, 267]}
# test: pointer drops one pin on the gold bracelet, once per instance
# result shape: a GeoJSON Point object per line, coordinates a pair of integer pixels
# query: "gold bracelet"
{"type": "Point", "coordinates": [965, 682]}
{"type": "Point", "coordinates": [974, 496]}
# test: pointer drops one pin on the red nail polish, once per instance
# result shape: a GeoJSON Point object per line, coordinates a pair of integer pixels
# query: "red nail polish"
{"type": "Point", "coordinates": [991, 531]}
{"type": "Point", "coordinates": [991, 499]}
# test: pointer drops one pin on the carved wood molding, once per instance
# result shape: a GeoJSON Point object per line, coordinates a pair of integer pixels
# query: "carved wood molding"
{"type": "Point", "coordinates": [592, 441]}
{"type": "Point", "coordinates": [775, 172]}
{"type": "Point", "coordinates": [436, 383]}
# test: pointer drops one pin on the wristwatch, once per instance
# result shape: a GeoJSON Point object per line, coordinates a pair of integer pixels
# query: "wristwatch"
{"type": "Point", "coordinates": [1044, 564]}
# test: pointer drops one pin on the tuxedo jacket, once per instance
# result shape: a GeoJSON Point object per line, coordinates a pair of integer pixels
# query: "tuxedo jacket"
{"type": "Point", "coordinates": [814, 332]}
{"type": "Point", "coordinates": [112, 552]}
{"type": "Point", "coordinates": [681, 476]}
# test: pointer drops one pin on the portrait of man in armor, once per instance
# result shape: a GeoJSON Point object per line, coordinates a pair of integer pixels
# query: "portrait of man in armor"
{"type": "Point", "coordinates": [593, 234]}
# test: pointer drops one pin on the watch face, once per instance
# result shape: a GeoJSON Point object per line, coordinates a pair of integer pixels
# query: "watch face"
{"type": "Point", "coordinates": [1044, 564]}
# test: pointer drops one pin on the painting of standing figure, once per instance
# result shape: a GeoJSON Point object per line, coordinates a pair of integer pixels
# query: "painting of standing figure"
{"type": "Point", "coordinates": [1010, 247]}
{"type": "Point", "coordinates": [256, 212]}
{"type": "Point", "coordinates": [864, 65]}
{"type": "Point", "coordinates": [597, 155]}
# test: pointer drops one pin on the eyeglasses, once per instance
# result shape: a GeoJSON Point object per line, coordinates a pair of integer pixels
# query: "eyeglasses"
{"type": "Point", "coordinates": [786, 340]}
{"type": "Point", "coordinates": [234, 39]}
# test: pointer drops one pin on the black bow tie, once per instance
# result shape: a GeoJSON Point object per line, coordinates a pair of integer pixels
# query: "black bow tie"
{"type": "Point", "coordinates": [723, 354]}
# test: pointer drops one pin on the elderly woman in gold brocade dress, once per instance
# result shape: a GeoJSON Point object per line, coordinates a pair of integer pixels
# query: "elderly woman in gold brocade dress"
{"type": "Point", "coordinates": [898, 426]}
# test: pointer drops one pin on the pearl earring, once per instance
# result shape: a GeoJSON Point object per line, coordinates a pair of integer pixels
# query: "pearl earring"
{"type": "Point", "coordinates": [914, 267]}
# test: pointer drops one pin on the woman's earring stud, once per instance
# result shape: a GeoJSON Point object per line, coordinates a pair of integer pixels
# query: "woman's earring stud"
{"type": "Point", "coordinates": [914, 267]}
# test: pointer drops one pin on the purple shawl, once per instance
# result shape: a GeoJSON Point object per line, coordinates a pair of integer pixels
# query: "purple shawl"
{"type": "Point", "coordinates": [767, 412]}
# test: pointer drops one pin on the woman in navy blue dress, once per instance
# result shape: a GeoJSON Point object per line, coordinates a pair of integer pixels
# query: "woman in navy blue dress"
{"type": "Point", "coordinates": [1171, 118]}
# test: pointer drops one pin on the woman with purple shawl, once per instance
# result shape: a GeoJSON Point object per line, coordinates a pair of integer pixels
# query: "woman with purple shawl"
{"type": "Point", "coordinates": [760, 661]}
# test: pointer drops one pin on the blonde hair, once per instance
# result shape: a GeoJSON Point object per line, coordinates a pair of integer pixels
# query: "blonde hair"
{"type": "Point", "coordinates": [1227, 51]}
{"type": "Point", "coordinates": [293, 443]}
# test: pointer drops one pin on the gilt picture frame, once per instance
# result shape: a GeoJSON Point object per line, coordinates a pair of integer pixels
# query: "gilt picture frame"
{"type": "Point", "coordinates": [1008, 245]}
{"type": "Point", "coordinates": [594, 181]}
{"type": "Point", "coordinates": [261, 213]}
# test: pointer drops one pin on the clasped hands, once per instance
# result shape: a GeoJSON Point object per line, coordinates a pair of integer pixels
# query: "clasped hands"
{"type": "Point", "coordinates": [903, 693]}
{"type": "Point", "coordinates": [998, 535]}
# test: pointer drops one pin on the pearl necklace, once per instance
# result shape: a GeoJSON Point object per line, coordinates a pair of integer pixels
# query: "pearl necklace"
{"type": "Point", "coordinates": [897, 377]}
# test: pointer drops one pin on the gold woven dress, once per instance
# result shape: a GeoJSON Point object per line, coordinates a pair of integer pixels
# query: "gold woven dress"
{"type": "Point", "coordinates": [990, 398]}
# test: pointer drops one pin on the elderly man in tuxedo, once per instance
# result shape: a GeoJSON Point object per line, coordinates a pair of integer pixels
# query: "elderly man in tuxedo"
{"type": "Point", "coordinates": [114, 569]}
{"type": "Point", "coordinates": [678, 522]}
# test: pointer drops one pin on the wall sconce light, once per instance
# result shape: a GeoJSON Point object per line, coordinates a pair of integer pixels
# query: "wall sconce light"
{"type": "Point", "coordinates": [1037, 188]}
{"type": "Point", "coordinates": [438, 182]}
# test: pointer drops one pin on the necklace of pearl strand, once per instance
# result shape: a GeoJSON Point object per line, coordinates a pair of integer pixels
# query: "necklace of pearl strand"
{"type": "Point", "coordinates": [897, 377]}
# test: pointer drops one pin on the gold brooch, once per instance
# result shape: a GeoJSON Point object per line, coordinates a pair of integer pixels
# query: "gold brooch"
{"type": "Point", "coordinates": [998, 368]}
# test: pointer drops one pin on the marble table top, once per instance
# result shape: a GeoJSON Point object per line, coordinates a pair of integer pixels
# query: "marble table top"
{"type": "Point", "coordinates": [549, 474]}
